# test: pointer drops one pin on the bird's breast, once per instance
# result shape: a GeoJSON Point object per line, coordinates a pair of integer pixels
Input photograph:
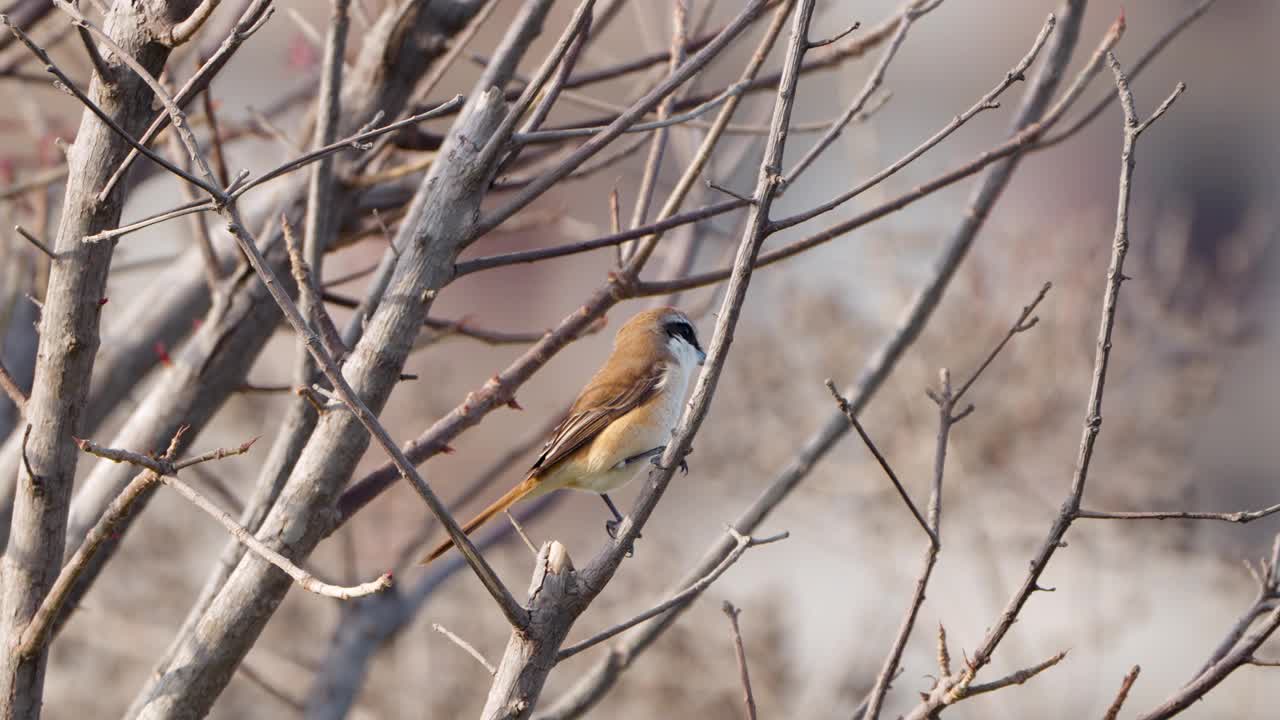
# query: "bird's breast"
{"type": "Point", "coordinates": [645, 428]}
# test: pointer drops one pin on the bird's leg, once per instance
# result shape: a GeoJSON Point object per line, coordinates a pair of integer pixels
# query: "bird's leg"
{"type": "Point", "coordinates": [611, 526]}
{"type": "Point", "coordinates": [652, 455]}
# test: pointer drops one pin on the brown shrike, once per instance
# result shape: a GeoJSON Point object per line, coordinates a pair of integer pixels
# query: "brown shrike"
{"type": "Point", "coordinates": [626, 414]}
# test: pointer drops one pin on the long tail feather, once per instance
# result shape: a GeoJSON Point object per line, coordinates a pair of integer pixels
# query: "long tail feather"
{"type": "Point", "coordinates": [502, 503]}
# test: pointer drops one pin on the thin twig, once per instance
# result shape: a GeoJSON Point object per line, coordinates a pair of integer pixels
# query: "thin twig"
{"type": "Point", "coordinates": [234, 192]}
{"type": "Point", "coordinates": [466, 646]}
{"type": "Point", "coordinates": [749, 699]}
{"type": "Point", "coordinates": [1240, 516]}
{"type": "Point", "coordinates": [163, 470]}
{"type": "Point", "coordinates": [250, 21]}
{"type": "Point", "coordinates": [945, 399]}
{"type": "Point", "coordinates": [1143, 60]}
{"type": "Point", "coordinates": [742, 543]}
{"type": "Point", "coordinates": [912, 12]}
{"type": "Point", "coordinates": [658, 141]}
{"type": "Point", "coordinates": [845, 408]}
{"type": "Point", "coordinates": [12, 389]}
{"type": "Point", "coordinates": [986, 102]}
{"type": "Point", "coordinates": [1114, 711]}
{"type": "Point", "coordinates": [520, 531]}
{"type": "Point", "coordinates": [1024, 323]}
{"type": "Point", "coordinates": [1016, 678]}
{"type": "Point", "coordinates": [309, 298]}
{"type": "Point", "coordinates": [497, 142]}
{"type": "Point", "coordinates": [466, 267]}
{"type": "Point", "coordinates": [597, 141]}
{"type": "Point", "coordinates": [29, 237]}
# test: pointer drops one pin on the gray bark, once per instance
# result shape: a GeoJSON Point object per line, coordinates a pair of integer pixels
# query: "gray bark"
{"type": "Point", "coordinates": [69, 341]}
{"type": "Point", "coordinates": [188, 392]}
{"type": "Point", "coordinates": [440, 221]}
{"type": "Point", "coordinates": [394, 54]}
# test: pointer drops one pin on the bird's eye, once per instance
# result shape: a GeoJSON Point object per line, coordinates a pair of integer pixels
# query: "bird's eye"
{"type": "Point", "coordinates": [683, 330]}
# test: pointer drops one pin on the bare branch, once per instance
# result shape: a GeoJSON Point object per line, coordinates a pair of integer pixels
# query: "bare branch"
{"type": "Point", "coordinates": [749, 699]}
{"type": "Point", "coordinates": [596, 682]}
{"type": "Point", "coordinates": [815, 44]}
{"type": "Point", "coordinates": [558, 596]}
{"type": "Point", "coordinates": [309, 297]}
{"type": "Point", "coordinates": [67, 350]}
{"type": "Point", "coordinates": [1109, 97]}
{"type": "Point", "coordinates": [741, 543]}
{"type": "Point", "coordinates": [35, 241]}
{"type": "Point", "coordinates": [12, 389]}
{"type": "Point", "coordinates": [658, 142]}
{"type": "Point", "coordinates": [946, 403]}
{"type": "Point", "coordinates": [253, 18]}
{"type": "Point", "coordinates": [626, 120]}
{"type": "Point", "coordinates": [1240, 516]}
{"type": "Point", "coordinates": [163, 470]}
{"type": "Point", "coordinates": [466, 646]}
{"type": "Point", "coordinates": [467, 267]}
{"type": "Point", "coordinates": [1016, 678]}
{"type": "Point", "coordinates": [952, 688]}
{"type": "Point", "coordinates": [1113, 712]}
{"type": "Point", "coordinates": [986, 102]}
{"type": "Point", "coordinates": [1024, 323]}
{"type": "Point", "coordinates": [187, 29]}
{"type": "Point", "coordinates": [912, 12]}
{"type": "Point", "coordinates": [845, 408]}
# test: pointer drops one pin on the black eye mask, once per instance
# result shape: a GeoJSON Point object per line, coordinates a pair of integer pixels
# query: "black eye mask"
{"type": "Point", "coordinates": [682, 329]}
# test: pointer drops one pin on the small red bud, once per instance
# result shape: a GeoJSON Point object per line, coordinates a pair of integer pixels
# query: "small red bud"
{"type": "Point", "coordinates": [102, 301]}
{"type": "Point", "coordinates": [162, 353]}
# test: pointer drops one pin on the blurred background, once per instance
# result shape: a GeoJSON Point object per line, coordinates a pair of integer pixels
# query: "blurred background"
{"type": "Point", "coordinates": [1190, 411]}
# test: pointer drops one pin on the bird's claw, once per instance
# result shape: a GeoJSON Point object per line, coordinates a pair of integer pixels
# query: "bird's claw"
{"type": "Point", "coordinates": [611, 527]}
{"type": "Point", "coordinates": [656, 460]}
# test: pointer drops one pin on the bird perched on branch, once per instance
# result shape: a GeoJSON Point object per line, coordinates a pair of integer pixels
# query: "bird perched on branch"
{"type": "Point", "coordinates": [625, 415]}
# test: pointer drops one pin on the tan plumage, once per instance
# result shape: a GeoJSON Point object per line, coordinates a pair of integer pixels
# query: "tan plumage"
{"type": "Point", "coordinates": [629, 408]}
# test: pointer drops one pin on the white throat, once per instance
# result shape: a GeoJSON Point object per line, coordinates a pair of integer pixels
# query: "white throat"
{"type": "Point", "coordinates": [680, 374]}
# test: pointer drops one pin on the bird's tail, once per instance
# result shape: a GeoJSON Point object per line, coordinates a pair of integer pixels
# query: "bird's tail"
{"type": "Point", "coordinates": [514, 495]}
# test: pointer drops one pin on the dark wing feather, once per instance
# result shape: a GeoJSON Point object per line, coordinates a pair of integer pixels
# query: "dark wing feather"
{"type": "Point", "coordinates": [580, 427]}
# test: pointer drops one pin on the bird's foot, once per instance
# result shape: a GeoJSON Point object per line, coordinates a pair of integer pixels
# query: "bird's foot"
{"type": "Point", "coordinates": [611, 527]}
{"type": "Point", "coordinates": [656, 459]}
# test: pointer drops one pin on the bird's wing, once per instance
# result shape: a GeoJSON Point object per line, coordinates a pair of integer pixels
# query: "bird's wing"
{"type": "Point", "coordinates": [580, 427]}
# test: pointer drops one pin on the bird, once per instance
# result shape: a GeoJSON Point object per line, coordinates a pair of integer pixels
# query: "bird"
{"type": "Point", "coordinates": [626, 414]}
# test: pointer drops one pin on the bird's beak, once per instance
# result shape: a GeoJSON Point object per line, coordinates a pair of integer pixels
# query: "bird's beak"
{"type": "Point", "coordinates": [702, 357]}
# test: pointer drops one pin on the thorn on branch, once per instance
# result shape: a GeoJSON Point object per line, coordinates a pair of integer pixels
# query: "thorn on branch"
{"type": "Point", "coordinates": [814, 44]}
{"type": "Point", "coordinates": [35, 241]}
{"type": "Point", "coordinates": [37, 483]}
{"type": "Point", "coordinates": [731, 193]}
{"type": "Point", "coordinates": [944, 656]}
{"type": "Point", "coordinates": [466, 646]}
